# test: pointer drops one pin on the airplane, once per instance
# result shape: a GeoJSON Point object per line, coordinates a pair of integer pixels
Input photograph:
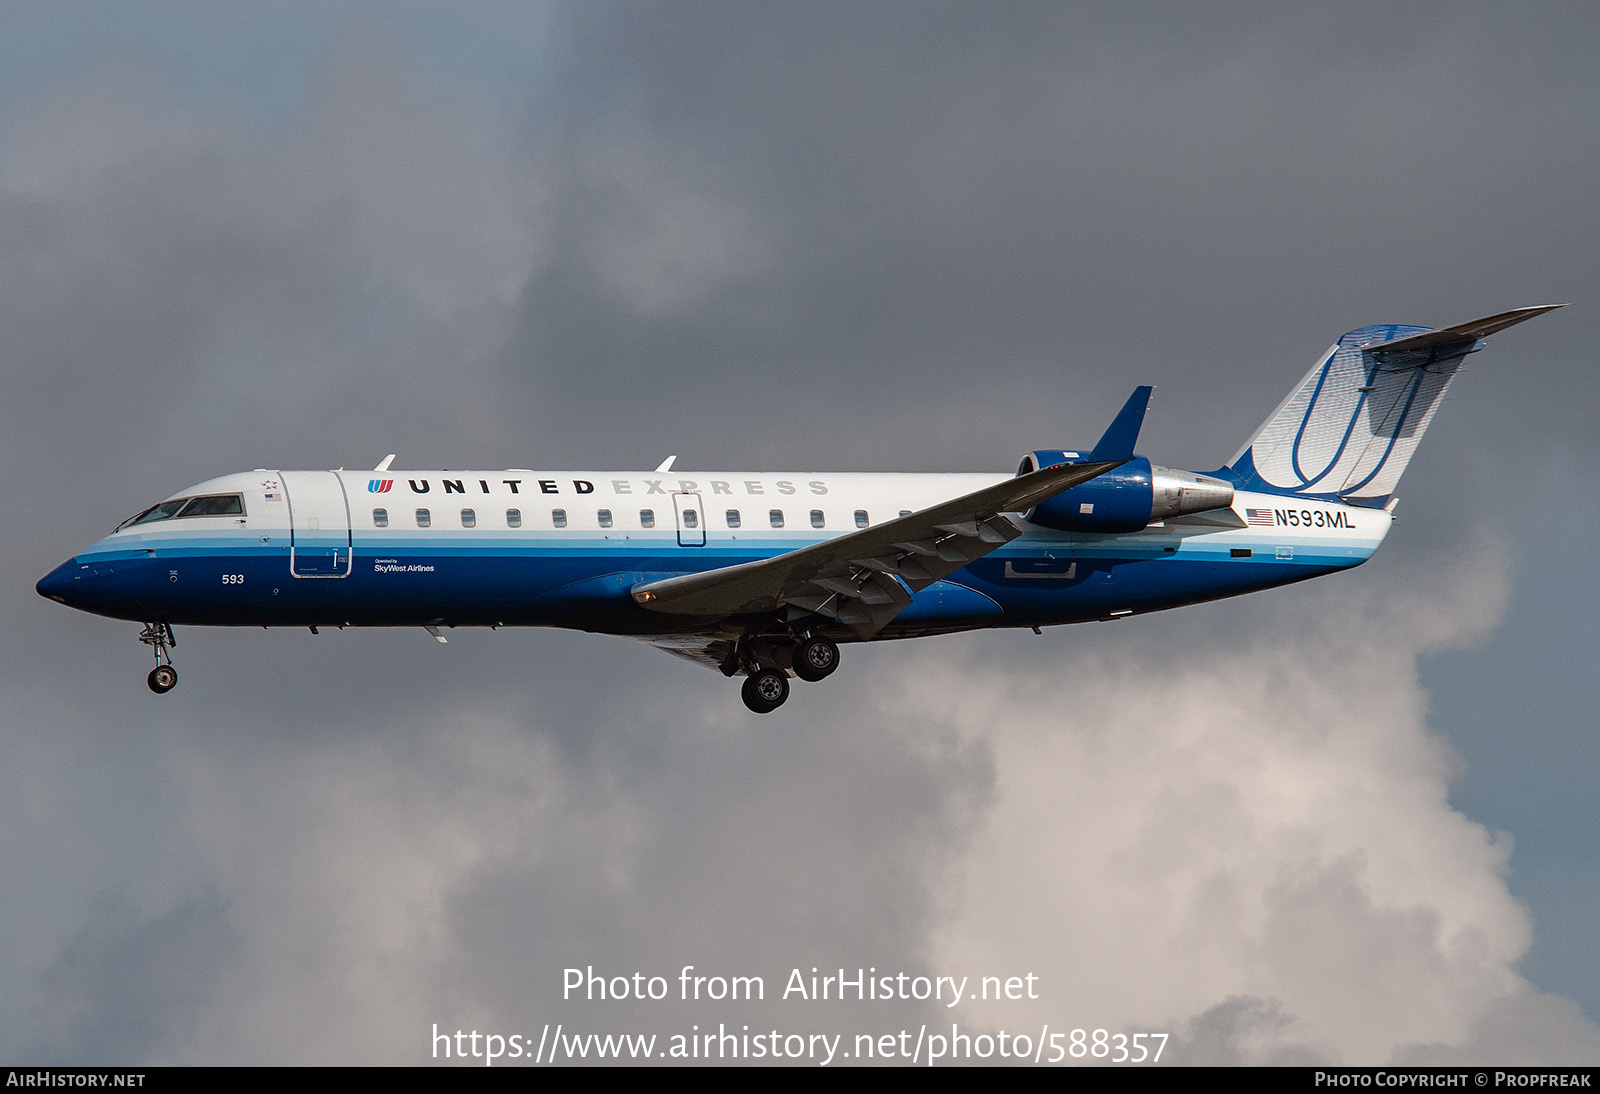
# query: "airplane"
{"type": "Point", "coordinates": [765, 575]}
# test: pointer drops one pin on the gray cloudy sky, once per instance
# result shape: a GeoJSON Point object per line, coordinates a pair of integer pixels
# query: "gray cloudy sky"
{"type": "Point", "coordinates": [1348, 821]}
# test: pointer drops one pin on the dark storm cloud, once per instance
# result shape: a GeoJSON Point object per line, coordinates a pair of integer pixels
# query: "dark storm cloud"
{"type": "Point", "coordinates": [955, 207]}
{"type": "Point", "coordinates": [182, 279]}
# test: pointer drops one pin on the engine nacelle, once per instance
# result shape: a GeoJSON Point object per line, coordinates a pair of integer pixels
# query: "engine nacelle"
{"type": "Point", "coordinates": [1126, 499]}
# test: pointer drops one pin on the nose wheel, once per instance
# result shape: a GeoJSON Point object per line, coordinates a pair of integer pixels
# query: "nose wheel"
{"type": "Point", "coordinates": [158, 636]}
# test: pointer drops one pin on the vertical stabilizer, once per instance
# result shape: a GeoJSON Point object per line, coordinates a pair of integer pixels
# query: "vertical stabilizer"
{"type": "Point", "coordinates": [1348, 430]}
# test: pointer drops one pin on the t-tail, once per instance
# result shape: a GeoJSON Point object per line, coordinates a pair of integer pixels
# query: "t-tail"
{"type": "Point", "coordinates": [1349, 428]}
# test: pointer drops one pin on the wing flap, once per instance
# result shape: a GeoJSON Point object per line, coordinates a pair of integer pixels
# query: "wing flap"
{"type": "Point", "coordinates": [713, 653]}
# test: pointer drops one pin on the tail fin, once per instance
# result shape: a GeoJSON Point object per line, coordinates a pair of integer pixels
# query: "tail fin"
{"type": "Point", "coordinates": [1350, 427]}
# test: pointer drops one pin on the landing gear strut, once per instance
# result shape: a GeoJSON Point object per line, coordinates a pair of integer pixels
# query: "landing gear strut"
{"type": "Point", "coordinates": [158, 636]}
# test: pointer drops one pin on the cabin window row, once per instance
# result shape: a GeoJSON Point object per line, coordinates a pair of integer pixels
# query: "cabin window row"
{"type": "Point", "coordinates": [647, 518]}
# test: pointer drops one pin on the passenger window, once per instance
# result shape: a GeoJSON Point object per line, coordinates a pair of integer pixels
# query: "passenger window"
{"type": "Point", "coordinates": [733, 518]}
{"type": "Point", "coordinates": [861, 518]}
{"type": "Point", "coordinates": [691, 519]}
{"type": "Point", "coordinates": [469, 518]}
{"type": "Point", "coordinates": [776, 518]}
{"type": "Point", "coordinates": [559, 517]}
{"type": "Point", "coordinates": [424, 519]}
{"type": "Point", "coordinates": [647, 518]}
{"type": "Point", "coordinates": [605, 518]}
{"type": "Point", "coordinates": [380, 518]}
{"type": "Point", "coordinates": [513, 518]}
{"type": "Point", "coordinates": [816, 518]}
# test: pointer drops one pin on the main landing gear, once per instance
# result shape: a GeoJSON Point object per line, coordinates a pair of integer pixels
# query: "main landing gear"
{"type": "Point", "coordinates": [815, 659]}
{"type": "Point", "coordinates": [765, 690]}
{"type": "Point", "coordinates": [158, 636]}
{"type": "Point", "coordinates": [766, 684]}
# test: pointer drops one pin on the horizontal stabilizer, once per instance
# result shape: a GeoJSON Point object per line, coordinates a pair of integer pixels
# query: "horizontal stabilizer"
{"type": "Point", "coordinates": [1123, 432]}
{"type": "Point", "coordinates": [1461, 333]}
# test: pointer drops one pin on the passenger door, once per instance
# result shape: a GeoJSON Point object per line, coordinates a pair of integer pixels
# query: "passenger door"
{"type": "Point", "coordinates": [691, 518]}
{"type": "Point", "coordinates": [319, 515]}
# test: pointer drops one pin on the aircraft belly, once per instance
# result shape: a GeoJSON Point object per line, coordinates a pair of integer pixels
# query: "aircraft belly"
{"type": "Point", "coordinates": [1104, 585]}
{"type": "Point", "coordinates": [950, 603]}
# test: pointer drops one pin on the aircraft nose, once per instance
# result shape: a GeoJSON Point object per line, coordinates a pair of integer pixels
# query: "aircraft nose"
{"type": "Point", "coordinates": [57, 584]}
{"type": "Point", "coordinates": [112, 585]}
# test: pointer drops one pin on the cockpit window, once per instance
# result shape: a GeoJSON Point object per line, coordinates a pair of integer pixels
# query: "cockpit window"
{"type": "Point", "coordinates": [206, 505]}
{"type": "Point", "coordinates": [214, 505]}
{"type": "Point", "coordinates": [155, 512]}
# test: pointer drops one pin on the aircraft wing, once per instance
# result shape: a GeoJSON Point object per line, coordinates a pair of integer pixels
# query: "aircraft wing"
{"type": "Point", "coordinates": [856, 578]}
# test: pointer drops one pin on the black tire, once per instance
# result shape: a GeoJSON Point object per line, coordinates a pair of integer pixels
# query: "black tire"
{"type": "Point", "coordinates": [815, 659]}
{"type": "Point", "coordinates": [162, 679]}
{"type": "Point", "coordinates": [764, 691]}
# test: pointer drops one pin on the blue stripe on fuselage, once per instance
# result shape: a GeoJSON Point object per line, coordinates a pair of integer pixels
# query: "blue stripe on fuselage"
{"type": "Point", "coordinates": [582, 581]}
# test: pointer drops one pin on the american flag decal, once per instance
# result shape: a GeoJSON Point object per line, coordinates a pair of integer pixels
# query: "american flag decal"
{"type": "Point", "coordinates": [1258, 516]}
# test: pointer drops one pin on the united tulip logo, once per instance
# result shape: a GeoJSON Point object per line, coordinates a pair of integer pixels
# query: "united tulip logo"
{"type": "Point", "coordinates": [379, 486]}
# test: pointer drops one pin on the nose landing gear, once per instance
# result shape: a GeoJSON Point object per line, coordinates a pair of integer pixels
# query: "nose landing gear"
{"type": "Point", "coordinates": [158, 636]}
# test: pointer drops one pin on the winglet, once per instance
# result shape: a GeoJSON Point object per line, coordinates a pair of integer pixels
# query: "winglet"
{"type": "Point", "coordinates": [387, 460]}
{"type": "Point", "coordinates": [1123, 433]}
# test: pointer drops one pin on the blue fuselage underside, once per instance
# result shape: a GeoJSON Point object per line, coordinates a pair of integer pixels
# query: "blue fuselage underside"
{"type": "Point", "coordinates": [585, 585]}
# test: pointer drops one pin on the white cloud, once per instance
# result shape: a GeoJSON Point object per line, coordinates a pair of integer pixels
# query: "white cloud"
{"type": "Point", "coordinates": [1250, 842]}
{"type": "Point", "coordinates": [338, 862]}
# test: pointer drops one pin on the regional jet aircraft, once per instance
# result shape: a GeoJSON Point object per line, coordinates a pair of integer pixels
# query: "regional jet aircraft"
{"type": "Point", "coordinates": [765, 575]}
